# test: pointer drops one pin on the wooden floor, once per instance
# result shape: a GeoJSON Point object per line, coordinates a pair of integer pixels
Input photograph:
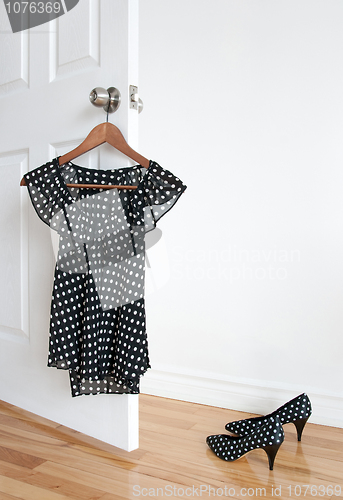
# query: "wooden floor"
{"type": "Point", "coordinates": [40, 460]}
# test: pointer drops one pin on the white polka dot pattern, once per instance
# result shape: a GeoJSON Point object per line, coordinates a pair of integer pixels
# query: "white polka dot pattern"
{"type": "Point", "coordinates": [269, 436]}
{"type": "Point", "coordinates": [95, 232]}
{"type": "Point", "coordinates": [97, 327]}
{"type": "Point", "coordinates": [298, 410]}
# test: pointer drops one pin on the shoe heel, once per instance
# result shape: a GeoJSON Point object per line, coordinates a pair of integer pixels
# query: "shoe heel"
{"type": "Point", "coordinates": [271, 452]}
{"type": "Point", "coordinates": [300, 424]}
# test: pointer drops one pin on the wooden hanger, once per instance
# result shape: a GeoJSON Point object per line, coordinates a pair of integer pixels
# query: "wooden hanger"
{"type": "Point", "coordinates": [105, 132]}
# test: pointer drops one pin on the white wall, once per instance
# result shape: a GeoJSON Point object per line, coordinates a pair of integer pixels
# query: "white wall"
{"type": "Point", "coordinates": [243, 100]}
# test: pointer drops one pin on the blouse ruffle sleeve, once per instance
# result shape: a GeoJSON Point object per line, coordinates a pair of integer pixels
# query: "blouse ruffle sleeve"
{"type": "Point", "coordinates": [43, 190]}
{"type": "Point", "coordinates": [157, 193]}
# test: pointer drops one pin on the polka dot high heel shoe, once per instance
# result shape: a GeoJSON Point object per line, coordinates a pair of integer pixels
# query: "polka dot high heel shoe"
{"type": "Point", "coordinates": [268, 436]}
{"type": "Point", "coordinates": [297, 411]}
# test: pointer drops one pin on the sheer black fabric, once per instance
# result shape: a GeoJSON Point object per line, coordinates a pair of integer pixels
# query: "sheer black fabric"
{"type": "Point", "coordinates": [97, 326]}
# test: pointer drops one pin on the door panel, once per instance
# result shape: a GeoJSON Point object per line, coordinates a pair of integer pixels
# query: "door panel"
{"type": "Point", "coordinates": [14, 313]}
{"type": "Point", "coordinates": [14, 57]}
{"type": "Point", "coordinates": [75, 44]}
{"type": "Point", "coordinates": [46, 75]}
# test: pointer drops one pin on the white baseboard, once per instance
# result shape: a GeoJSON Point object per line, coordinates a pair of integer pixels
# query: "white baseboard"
{"type": "Point", "coordinates": [248, 396]}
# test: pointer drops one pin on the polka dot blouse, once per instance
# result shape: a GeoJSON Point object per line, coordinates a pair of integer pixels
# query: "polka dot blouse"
{"type": "Point", "coordinates": [97, 325]}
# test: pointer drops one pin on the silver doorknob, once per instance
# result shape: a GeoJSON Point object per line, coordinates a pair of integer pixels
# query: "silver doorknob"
{"type": "Point", "coordinates": [109, 99]}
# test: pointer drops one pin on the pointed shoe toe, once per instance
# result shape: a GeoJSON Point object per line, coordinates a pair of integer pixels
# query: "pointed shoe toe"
{"type": "Point", "coordinates": [269, 437]}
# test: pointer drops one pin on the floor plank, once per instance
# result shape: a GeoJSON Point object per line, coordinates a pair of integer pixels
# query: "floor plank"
{"type": "Point", "coordinates": [23, 459]}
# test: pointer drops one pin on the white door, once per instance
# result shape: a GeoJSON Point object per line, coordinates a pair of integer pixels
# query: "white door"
{"type": "Point", "coordinates": [46, 75]}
